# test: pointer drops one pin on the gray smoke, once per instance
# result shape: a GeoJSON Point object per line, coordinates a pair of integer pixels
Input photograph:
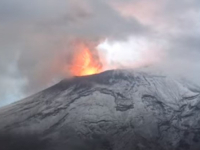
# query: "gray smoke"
{"type": "Point", "coordinates": [38, 38]}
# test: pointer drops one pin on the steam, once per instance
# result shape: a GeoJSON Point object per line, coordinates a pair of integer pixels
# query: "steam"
{"type": "Point", "coordinates": [133, 53]}
{"type": "Point", "coordinates": [39, 39]}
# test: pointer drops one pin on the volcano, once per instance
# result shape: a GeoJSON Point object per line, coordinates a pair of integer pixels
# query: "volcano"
{"type": "Point", "coordinates": [113, 110]}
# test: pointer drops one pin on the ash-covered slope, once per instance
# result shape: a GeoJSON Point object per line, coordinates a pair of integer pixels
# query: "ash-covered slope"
{"type": "Point", "coordinates": [114, 110]}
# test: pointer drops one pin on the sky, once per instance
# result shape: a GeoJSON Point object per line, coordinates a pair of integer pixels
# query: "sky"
{"type": "Point", "coordinates": [38, 39]}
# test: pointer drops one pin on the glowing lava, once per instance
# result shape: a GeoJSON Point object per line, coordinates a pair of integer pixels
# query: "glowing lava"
{"type": "Point", "coordinates": [85, 63]}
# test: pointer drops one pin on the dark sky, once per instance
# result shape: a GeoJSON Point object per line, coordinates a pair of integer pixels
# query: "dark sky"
{"type": "Point", "coordinates": [38, 38]}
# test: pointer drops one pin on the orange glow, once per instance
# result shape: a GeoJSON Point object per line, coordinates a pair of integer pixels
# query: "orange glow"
{"type": "Point", "coordinates": [85, 63]}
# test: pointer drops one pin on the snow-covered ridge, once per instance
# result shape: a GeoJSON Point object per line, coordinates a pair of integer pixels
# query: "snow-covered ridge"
{"type": "Point", "coordinates": [124, 109]}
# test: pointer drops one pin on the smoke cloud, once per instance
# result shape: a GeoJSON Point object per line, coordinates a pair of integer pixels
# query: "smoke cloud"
{"type": "Point", "coordinates": [39, 38]}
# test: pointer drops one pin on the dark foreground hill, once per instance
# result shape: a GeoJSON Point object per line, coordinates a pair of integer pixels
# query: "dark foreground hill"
{"type": "Point", "coordinates": [114, 110]}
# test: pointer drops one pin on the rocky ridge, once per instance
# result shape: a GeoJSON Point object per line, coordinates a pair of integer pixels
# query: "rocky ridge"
{"type": "Point", "coordinates": [114, 110]}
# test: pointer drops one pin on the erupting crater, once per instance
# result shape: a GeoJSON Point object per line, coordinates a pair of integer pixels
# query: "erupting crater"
{"type": "Point", "coordinates": [85, 62]}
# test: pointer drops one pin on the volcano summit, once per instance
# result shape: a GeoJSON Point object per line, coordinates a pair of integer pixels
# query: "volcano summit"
{"type": "Point", "coordinates": [114, 110]}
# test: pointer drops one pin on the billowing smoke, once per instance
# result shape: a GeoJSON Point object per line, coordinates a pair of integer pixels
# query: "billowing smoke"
{"type": "Point", "coordinates": [40, 38]}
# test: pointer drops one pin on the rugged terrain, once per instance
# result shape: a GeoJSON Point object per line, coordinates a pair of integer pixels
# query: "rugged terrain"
{"type": "Point", "coordinates": [114, 110]}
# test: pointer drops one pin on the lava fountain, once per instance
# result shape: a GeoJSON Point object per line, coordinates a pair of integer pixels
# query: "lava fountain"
{"type": "Point", "coordinates": [85, 62]}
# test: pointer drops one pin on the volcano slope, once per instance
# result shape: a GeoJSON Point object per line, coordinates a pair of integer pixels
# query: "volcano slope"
{"type": "Point", "coordinates": [114, 110]}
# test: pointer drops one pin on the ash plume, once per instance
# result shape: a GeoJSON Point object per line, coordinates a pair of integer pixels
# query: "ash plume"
{"type": "Point", "coordinates": [39, 39]}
